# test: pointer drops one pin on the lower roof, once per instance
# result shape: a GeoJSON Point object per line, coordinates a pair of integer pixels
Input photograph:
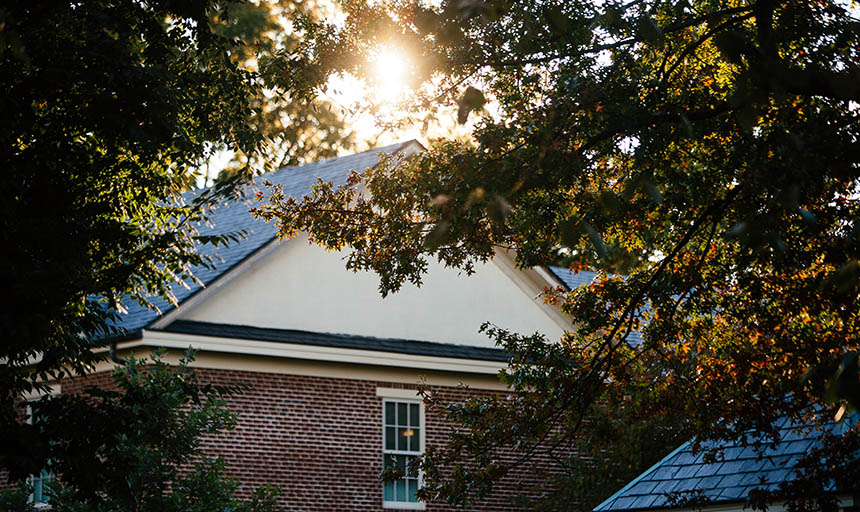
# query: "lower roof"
{"type": "Point", "coordinates": [741, 466]}
{"type": "Point", "coordinates": [351, 341]}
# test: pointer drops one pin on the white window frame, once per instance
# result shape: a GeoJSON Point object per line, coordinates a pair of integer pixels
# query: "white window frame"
{"type": "Point", "coordinates": [53, 390]}
{"type": "Point", "coordinates": [407, 396]}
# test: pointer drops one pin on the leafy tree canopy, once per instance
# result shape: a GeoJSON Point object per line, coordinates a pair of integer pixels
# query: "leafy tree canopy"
{"type": "Point", "coordinates": [110, 111]}
{"type": "Point", "coordinates": [297, 129]}
{"type": "Point", "coordinates": [702, 154]}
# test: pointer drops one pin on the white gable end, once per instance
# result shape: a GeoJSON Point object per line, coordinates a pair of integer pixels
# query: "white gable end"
{"type": "Point", "coordinates": [302, 286]}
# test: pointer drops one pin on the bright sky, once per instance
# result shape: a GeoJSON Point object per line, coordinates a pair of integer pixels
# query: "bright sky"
{"type": "Point", "coordinates": [385, 90]}
{"type": "Point", "coordinates": [388, 86]}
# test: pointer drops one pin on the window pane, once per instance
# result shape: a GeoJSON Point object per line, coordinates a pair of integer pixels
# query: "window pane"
{"type": "Point", "coordinates": [401, 463]}
{"type": "Point", "coordinates": [413, 415]}
{"type": "Point", "coordinates": [413, 439]}
{"type": "Point", "coordinates": [401, 489]}
{"type": "Point", "coordinates": [389, 413]}
{"type": "Point", "coordinates": [412, 473]}
{"type": "Point", "coordinates": [401, 414]}
{"type": "Point", "coordinates": [388, 491]}
{"type": "Point", "coordinates": [413, 487]}
{"type": "Point", "coordinates": [402, 440]}
{"type": "Point", "coordinates": [390, 436]}
{"type": "Point", "coordinates": [37, 491]}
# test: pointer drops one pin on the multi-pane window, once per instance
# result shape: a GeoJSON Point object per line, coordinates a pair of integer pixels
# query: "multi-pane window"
{"type": "Point", "coordinates": [402, 443]}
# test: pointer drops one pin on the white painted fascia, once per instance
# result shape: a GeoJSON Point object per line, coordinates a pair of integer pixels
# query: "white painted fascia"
{"type": "Point", "coordinates": [551, 280]}
{"type": "Point", "coordinates": [311, 352]}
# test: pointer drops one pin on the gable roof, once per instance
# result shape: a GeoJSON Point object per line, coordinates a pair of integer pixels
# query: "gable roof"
{"type": "Point", "coordinates": [234, 216]}
{"type": "Point", "coordinates": [739, 469]}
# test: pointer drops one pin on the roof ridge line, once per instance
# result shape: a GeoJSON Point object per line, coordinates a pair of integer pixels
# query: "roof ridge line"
{"type": "Point", "coordinates": [379, 149]}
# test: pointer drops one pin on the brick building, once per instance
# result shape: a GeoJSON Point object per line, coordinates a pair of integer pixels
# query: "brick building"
{"type": "Point", "coordinates": [332, 368]}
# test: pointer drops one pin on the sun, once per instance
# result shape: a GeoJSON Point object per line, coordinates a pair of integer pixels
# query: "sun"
{"type": "Point", "coordinates": [390, 74]}
{"type": "Point", "coordinates": [384, 80]}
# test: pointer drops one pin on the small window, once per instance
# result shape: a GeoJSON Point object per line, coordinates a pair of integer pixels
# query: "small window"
{"type": "Point", "coordinates": [40, 484]}
{"type": "Point", "coordinates": [42, 480]}
{"type": "Point", "coordinates": [403, 442]}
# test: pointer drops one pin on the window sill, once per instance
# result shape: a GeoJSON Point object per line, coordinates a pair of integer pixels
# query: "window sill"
{"type": "Point", "coordinates": [403, 505]}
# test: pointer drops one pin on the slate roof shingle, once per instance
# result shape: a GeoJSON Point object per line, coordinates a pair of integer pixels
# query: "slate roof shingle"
{"type": "Point", "coordinates": [573, 280]}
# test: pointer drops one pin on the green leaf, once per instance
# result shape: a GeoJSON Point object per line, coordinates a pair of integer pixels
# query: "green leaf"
{"type": "Point", "coordinates": [747, 117]}
{"type": "Point", "coordinates": [732, 44]}
{"type": "Point", "coordinates": [652, 191]}
{"type": "Point", "coordinates": [570, 230]}
{"type": "Point", "coordinates": [845, 383]}
{"type": "Point", "coordinates": [687, 126]}
{"type": "Point", "coordinates": [806, 215]}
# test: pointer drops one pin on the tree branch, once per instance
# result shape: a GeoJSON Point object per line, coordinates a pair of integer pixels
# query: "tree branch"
{"type": "Point", "coordinates": [603, 47]}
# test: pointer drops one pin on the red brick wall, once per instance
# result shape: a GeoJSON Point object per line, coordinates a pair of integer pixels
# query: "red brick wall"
{"type": "Point", "coordinates": [318, 439]}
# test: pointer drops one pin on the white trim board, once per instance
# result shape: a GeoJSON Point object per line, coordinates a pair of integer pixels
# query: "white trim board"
{"type": "Point", "coordinates": [203, 293]}
{"type": "Point", "coordinates": [398, 393]}
{"type": "Point", "coordinates": [533, 282]}
{"type": "Point", "coordinates": [321, 369]}
{"type": "Point", "coordinates": [311, 352]}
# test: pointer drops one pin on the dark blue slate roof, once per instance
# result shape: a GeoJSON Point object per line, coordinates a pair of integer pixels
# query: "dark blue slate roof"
{"type": "Point", "coordinates": [739, 469]}
{"type": "Point", "coordinates": [573, 281]}
{"type": "Point", "coordinates": [234, 217]}
{"type": "Point", "coordinates": [401, 346]}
